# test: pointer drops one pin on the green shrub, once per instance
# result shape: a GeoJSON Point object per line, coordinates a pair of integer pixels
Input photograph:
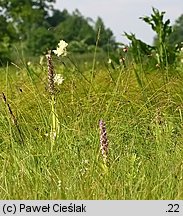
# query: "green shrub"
{"type": "Point", "coordinates": [40, 40]}
{"type": "Point", "coordinates": [76, 46]}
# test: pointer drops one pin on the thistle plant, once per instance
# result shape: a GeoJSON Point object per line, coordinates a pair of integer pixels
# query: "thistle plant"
{"type": "Point", "coordinates": [165, 53]}
{"type": "Point", "coordinates": [103, 142]}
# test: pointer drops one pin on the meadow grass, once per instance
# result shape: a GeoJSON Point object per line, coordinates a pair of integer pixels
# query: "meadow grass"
{"type": "Point", "coordinates": [143, 116]}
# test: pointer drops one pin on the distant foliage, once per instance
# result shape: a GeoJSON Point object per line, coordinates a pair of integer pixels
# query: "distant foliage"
{"type": "Point", "coordinates": [6, 38]}
{"type": "Point", "coordinates": [82, 31]}
{"type": "Point", "coordinates": [176, 38]}
{"type": "Point", "coordinates": [40, 27]}
{"type": "Point", "coordinates": [19, 21]}
{"type": "Point", "coordinates": [162, 51]}
{"type": "Point", "coordinates": [75, 28]}
{"type": "Point", "coordinates": [106, 38]}
{"type": "Point", "coordinates": [40, 41]}
{"type": "Point", "coordinates": [79, 47]}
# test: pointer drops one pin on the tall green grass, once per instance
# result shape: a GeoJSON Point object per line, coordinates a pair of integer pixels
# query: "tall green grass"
{"type": "Point", "coordinates": [143, 116]}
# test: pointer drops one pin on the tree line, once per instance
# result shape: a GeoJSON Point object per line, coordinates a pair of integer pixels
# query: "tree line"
{"type": "Point", "coordinates": [39, 27]}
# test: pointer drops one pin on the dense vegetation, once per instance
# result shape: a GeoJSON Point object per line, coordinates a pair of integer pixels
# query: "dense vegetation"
{"type": "Point", "coordinates": [143, 115]}
{"type": "Point", "coordinates": [50, 140]}
{"type": "Point", "coordinates": [34, 27]}
{"type": "Point", "coordinates": [37, 27]}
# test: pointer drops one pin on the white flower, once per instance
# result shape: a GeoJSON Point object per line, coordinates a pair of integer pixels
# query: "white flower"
{"type": "Point", "coordinates": [58, 78]}
{"type": "Point", "coordinates": [85, 161]}
{"type": "Point", "coordinates": [109, 61]}
{"type": "Point", "coordinates": [61, 49]}
{"type": "Point", "coordinates": [59, 184]}
{"type": "Point", "coordinates": [121, 60]}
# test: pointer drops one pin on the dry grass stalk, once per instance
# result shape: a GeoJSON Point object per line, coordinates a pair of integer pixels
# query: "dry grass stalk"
{"type": "Point", "coordinates": [14, 120]}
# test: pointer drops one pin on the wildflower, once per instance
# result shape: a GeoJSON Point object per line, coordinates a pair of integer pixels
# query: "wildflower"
{"type": "Point", "coordinates": [28, 63]}
{"type": "Point", "coordinates": [83, 171]}
{"type": "Point", "coordinates": [50, 73]}
{"type": "Point", "coordinates": [103, 140]}
{"type": "Point", "coordinates": [125, 49]}
{"type": "Point", "coordinates": [61, 49]}
{"type": "Point", "coordinates": [58, 78]}
{"type": "Point", "coordinates": [86, 161]}
{"type": "Point", "coordinates": [55, 127]}
{"type": "Point", "coordinates": [109, 61]}
{"type": "Point", "coordinates": [59, 184]}
{"type": "Point", "coordinates": [122, 60]}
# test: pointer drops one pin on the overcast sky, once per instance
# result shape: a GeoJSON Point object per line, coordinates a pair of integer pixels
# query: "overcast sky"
{"type": "Point", "coordinates": [123, 15]}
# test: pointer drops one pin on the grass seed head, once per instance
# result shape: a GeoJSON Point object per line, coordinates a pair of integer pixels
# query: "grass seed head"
{"type": "Point", "coordinates": [14, 120]}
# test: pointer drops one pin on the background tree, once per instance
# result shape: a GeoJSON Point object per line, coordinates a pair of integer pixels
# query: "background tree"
{"type": "Point", "coordinates": [106, 40]}
{"type": "Point", "coordinates": [176, 36]}
{"type": "Point", "coordinates": [40, 27]}
{"type": "Point", "coordinates": [26, 18]}
{"type": "Point", "coordinates": [40, 41]}
{"type": "Point", "coordinates": [57, 17]}
{"type": "Point", "coordinates": [76, 28]}
{"type": "Point", "coordinates": [26, 15]}
{"type": "Point", "coordinates": [7, 36]}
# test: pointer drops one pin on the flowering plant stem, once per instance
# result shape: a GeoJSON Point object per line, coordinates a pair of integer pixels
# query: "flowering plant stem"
{"type": "Point", "coordinates": [55, 126]}
{"type": "Point", "coordinates": [103, 144]}
{"type": "Point", "coordinates": [104, 167]}
{"type": "Point", "coordinates": [52, 79]}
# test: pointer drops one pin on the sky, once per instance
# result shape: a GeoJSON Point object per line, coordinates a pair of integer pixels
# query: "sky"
{"type": "Point", "coordinates": [123, 15]}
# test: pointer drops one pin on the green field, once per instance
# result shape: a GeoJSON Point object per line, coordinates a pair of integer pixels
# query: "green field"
{"type": "Point", "coordinates": [143, 114]}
